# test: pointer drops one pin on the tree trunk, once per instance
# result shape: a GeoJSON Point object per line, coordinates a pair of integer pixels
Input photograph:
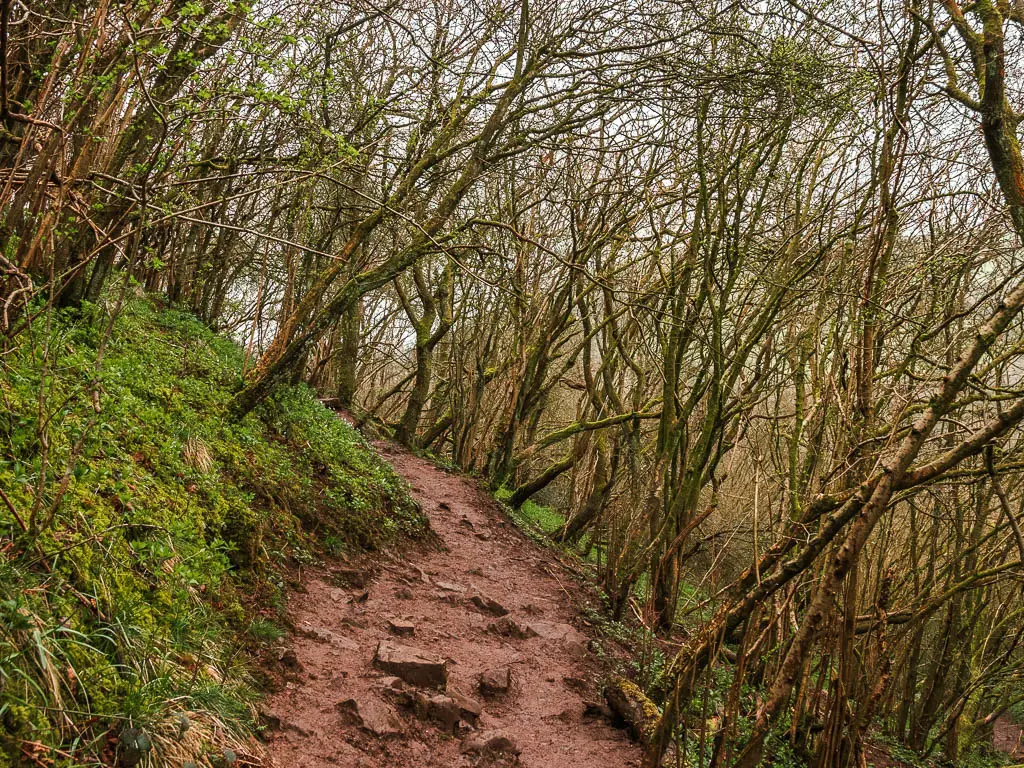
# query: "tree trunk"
{"type": "Point", "coordinates": [348, 354]}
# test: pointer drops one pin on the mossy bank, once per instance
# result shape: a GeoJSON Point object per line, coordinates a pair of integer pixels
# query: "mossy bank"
{"type": "Point", "coordinates": [143, 536]}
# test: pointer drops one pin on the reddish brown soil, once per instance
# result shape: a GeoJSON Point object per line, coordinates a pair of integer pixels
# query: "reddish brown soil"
{"type": "Point", "coordinates": [553, 675]}
{"type": "Point", "coordinates": [878, 756]}
{"type": "Point", "coordinates": [1008, 737]}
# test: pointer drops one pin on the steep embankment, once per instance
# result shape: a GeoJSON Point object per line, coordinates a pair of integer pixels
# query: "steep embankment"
{"type": "Point", "coordinates": [143, 537]}
{"type": "Point", "coordinates": [341, 704]}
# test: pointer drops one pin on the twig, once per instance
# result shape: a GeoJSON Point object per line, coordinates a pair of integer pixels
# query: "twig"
{"type": "Point", "coordinates": [10, 506]}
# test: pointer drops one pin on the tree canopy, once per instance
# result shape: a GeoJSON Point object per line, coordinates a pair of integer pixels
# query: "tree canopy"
{"type": "Point", "coordinates": [737, 288]}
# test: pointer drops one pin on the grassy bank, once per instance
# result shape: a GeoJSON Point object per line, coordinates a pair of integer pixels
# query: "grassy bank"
{"type": "Point", "coordinates": [142, 536]}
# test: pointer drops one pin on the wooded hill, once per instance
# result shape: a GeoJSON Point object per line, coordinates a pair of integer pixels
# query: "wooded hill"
{"type": "Point", "coordinates": [735, 288]}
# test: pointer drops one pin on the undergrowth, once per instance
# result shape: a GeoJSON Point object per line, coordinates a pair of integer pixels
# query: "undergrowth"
{"type": "Point", "coordinates": [142, 536]}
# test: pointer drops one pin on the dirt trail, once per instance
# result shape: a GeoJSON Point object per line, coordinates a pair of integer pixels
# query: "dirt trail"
{"type": "Point", "coordinates": [340, 627]}
{"type": "Point", "coordinates": [1008, 737]}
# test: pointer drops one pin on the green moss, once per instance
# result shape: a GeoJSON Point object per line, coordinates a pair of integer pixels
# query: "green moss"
{"type": "Point", "coordinates": [159, 528]}
{"type": "Point", "coordinates": [536, 519]}
{"type": "Point", "coordinates": [547, 519]}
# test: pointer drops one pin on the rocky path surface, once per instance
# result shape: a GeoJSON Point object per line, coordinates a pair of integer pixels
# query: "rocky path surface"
{"type": "Point", "coordinates": [466, 654]}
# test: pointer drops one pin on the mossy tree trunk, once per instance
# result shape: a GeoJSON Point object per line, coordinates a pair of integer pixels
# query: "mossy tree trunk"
{"type": "Point", "coordinates": [348, 354]}
{"type": "Point", "coordinates": [430, 326]}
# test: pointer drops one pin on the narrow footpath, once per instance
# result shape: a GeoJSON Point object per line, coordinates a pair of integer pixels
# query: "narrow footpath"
{"type": "Point", "coordinates": [469, 653]}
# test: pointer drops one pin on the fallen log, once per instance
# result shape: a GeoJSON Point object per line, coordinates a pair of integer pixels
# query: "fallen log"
{"type": "Point", "coordinates": [639, 713]}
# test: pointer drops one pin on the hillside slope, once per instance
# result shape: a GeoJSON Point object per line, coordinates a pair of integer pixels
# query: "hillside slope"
{"type": "Point", "coordinates": [143, 536]}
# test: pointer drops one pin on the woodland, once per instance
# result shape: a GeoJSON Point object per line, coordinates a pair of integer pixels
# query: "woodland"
{"type": "Point", "coordinates": [725, 297]}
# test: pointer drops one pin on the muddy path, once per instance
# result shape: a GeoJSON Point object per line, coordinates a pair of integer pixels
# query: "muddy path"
{"type": "Point", "coordinates": [1008, 737]}
{"type": "Point", "coordinates": [339, 707]}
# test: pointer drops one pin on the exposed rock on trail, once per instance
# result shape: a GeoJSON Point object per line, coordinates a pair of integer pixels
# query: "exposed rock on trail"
{"type": "Point", "coordinates": [391, 679]}
{"type": "Point", "coordinates": [413, 666]}
{"type": "Point", "coordinates": [495, 682]}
